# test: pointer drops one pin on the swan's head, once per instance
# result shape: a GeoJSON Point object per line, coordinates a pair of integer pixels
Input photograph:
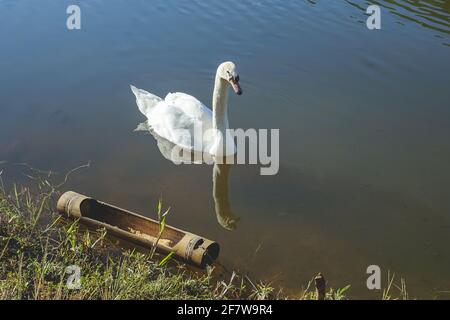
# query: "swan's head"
{"type": "Point", "coordinates": [228, 72]}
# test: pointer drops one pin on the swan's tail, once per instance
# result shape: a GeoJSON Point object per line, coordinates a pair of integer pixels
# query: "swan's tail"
{"type": "Point", "coordinates": [145, 100]}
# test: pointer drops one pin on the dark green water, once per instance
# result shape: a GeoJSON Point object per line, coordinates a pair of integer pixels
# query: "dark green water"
{"type": "Point", "coordinates": [364, 119]}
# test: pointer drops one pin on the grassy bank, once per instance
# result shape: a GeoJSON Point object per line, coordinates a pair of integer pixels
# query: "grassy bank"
{"type": "Point", "coordinates": [40, 250]}
{"type": "Point", "coordinates": [37, 246]}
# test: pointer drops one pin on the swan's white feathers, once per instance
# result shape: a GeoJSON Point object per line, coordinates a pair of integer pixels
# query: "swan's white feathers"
{"type": "Point", "coordinates": [189, 104]}
{"type": "Point", "coordinates": [177, 118]}
{"type": "Point", "coordinates": [145, 100]}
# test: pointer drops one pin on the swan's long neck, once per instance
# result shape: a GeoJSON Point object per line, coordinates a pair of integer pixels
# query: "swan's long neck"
{"type": "Point", "coordinates": [220, 104]}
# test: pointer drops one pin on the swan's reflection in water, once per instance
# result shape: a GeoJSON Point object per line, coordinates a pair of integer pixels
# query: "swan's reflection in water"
{"type": "Point", "coordinates": [225, 215]}
{"type": "Point", "coordinates": [221, 171]}
{"type": "Point", "coordinates": [171, 151]}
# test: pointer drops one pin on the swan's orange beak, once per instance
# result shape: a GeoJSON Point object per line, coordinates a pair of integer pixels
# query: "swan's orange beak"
{"type": "Point", "coordinates": [236, 87]}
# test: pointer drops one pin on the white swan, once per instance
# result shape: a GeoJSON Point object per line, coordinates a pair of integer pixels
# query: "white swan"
{"type": "Point", "coordinates": [186, 122]}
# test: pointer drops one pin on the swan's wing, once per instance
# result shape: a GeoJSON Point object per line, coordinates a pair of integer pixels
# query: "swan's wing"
{"type": "Point", "coordinates": [145, 100]}
{"type": "Point", "coordinates": [200, 115]}
{"type": "Point", "coordinates": [182, 119]}
{"type": "Point", "coordinates": [189, 104]}
{"type": "Point", "coordinates": [172, 123]}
